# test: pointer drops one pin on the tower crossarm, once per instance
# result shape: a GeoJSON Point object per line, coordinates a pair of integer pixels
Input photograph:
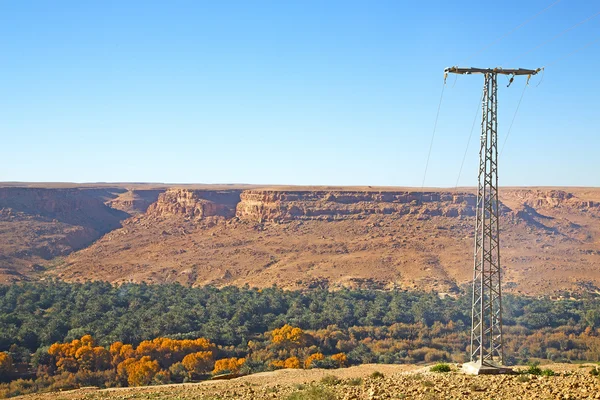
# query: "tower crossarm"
{"type": "Point", "coordinates": [497, 70]}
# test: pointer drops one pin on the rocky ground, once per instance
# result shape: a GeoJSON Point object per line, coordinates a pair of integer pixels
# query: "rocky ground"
{"type": "Point", "coordinates": [366, 382]}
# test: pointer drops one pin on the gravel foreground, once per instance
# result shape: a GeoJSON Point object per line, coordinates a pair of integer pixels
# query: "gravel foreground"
{"type": "Point", "coordinates": [364, 382]}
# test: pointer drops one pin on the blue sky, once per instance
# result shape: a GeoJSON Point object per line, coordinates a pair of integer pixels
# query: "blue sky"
{"type": "Point", "coordinates": [290, 92]}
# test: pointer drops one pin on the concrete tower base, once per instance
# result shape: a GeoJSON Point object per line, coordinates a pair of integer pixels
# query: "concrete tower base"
{"type": "Point", "coordinates": [488, 368]}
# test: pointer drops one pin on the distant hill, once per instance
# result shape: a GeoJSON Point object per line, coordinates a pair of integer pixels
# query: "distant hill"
{"type": "Point", "coordinates": [295, 237]}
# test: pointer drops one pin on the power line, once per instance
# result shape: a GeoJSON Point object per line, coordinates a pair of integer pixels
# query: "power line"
{"type": "Point", "coordinates": [514, 117]}
{"type": "Point", "coordinates": [556, 36]}
{"type": "Point", "coordinates": [512, 31]}
{"type": "Point", "coordinates": [468, 142]}
{"type": "Point", "coordinates": [550, 64]}
{"type": "Point", "coordinates": [437, 116]}
{"type": "Point", "coordinates": [573, 52]}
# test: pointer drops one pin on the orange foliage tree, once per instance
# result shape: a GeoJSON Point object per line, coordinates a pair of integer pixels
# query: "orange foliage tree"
{"type": "Point", "coordinates": [140, 372]}
{"type": "Point", "coordinates": [313, 357]}
{"type": "Point", "coordinates": [199, 363]}
{"type": "Point", "coordinates": [288, 335]}
{"type": "Point", "coordinates": [169, 351]}
{"type": "Point", "coordinates": [80, 354]}
{"type": "Point", "coordinates": [119, 352]}
{"type": "Point", "coordinates": [290, 363]}
{"type": "Point", "coordinates": [122, 370]}
{"type": "Point", "coordinates": [231, 365]}
{"type": "Point", "coordinates": [340, 359]}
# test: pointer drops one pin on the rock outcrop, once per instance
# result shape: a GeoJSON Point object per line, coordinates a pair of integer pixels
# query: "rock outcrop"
{"type": "Point", "coordinates": [195, 204]}
{"type": "Point", "coordinates": [289, 205]}
{"type": "Point", "coordinates": [134, 201]}
{"type": "Point", "coordinates": [269, 205]}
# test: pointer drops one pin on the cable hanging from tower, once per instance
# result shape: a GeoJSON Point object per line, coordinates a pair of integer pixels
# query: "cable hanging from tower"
{"type": "Point", "coordinates": [555, 37]}
{"type": "Point", "coordinates": [511, 31]}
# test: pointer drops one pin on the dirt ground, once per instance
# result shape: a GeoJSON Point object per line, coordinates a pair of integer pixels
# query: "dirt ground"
{"type": "Point", "coordinates": [396, 382]}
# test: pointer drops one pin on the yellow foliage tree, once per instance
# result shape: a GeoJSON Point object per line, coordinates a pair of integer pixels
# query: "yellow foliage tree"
{"type": "Point", "coordinates": [287, 335]}
{"type": "Point", "coordinates": [142, 371]}
{"type": "Point", "coordinates": [127, 351]}
{"type": "Point", "coordinates": [122, 369]}
{"type": "Point", "coordinates": [169, 351]}
{"type": "Point", "coordinates": [231, 365]}
{"type": "Point", "coordinates": [289, 363]}
{"type": "Point", "coordinates": [88, 341]}
{"type": "Point", "coordinates": [200, 362]}
{"type": "Point", "coordinates": [80, 354]}
{"type": "Point", "coordinates": [340, 359]}
{"type": "Point", "coordinates": [102, 359]}
{"type": "Point", "coordinates": [85, 358]}
{"type": "Point", "coordinates": [292, 362]}
{"type": "Point", "coordinates": [312, 358]}
{"type": "Point", "coordinates": [115, 353]}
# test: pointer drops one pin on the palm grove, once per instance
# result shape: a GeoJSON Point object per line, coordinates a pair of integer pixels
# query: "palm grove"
{"type": "Point", "coordinates": [55, 335]}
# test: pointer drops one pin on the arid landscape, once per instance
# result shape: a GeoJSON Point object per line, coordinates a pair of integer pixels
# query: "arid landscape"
{"type": "Point", "coordinates": [275, 200]}
{"type": "Point", "coordinates": [301, 237]}
{"type": "Point", "coordinates": [365, 382]}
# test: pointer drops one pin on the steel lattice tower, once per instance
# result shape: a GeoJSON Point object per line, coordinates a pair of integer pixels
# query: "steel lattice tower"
{"type": "Point", "coordinates": [487, 353]}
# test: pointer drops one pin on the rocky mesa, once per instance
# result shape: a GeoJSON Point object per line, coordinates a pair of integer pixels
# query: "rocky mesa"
{"type": "Point", "coordinates": [347, 237]}
{"type": "Point", "coordinates": [295, 237]}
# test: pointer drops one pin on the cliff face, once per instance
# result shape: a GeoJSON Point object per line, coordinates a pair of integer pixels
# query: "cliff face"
{"type": "Point", "coordinates": [70, 206]}
{"type": "Point", "coordinates": [37, 225]}
{"type": "Point", "coordinates": [281, 206]}
{"type": "Point", "coordinates": [134, 201]}
{"type": "Point", "coordinates": [195, 204]}
{"type": "Point", "coordinates": [265, 205]}
{"type": "Point", "coordinates": [553, 198]}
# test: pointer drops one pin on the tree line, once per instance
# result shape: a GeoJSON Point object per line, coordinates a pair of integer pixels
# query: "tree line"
{"type": "Point", "coordinates": [56, 335]}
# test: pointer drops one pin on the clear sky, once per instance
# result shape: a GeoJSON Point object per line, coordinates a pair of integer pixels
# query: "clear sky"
{"type": "Point", "coordinates": [291, 92]}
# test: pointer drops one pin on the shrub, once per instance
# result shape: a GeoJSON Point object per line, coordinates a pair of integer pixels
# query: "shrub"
{"type": "Point", "coordinates": [442, 367]}
{"type": "Point", "coordinates": [416, 377]}
{"type": "Point", "coordinates": [548, 372]}
{"type": "Point", "coordinates": [313, 393]}
{"type": "Point", "coordinates": [178, 372]}
{"type": "Point", "coordinates": [595, 371]}
{"type": "Point", "coordinates": [377, 375]}
{"type": "Point", "coordinates": [330, 380]}
{"type": "Point", "coordinates": [355, 382]}
{"type": "Point", "coordinates": [326, 363]}
{"type": "Point", "coordinates": [523, 378]}
{"type": "Point", "coordinates": [252, 366]}
{"type": "Point", "coordinates": [162, 378]}
{"type": "Point", "coordinates": [533, 369]}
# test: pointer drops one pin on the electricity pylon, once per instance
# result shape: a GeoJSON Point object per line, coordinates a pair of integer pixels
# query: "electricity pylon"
{"type": "Point", "coordinates": [487, 353]}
